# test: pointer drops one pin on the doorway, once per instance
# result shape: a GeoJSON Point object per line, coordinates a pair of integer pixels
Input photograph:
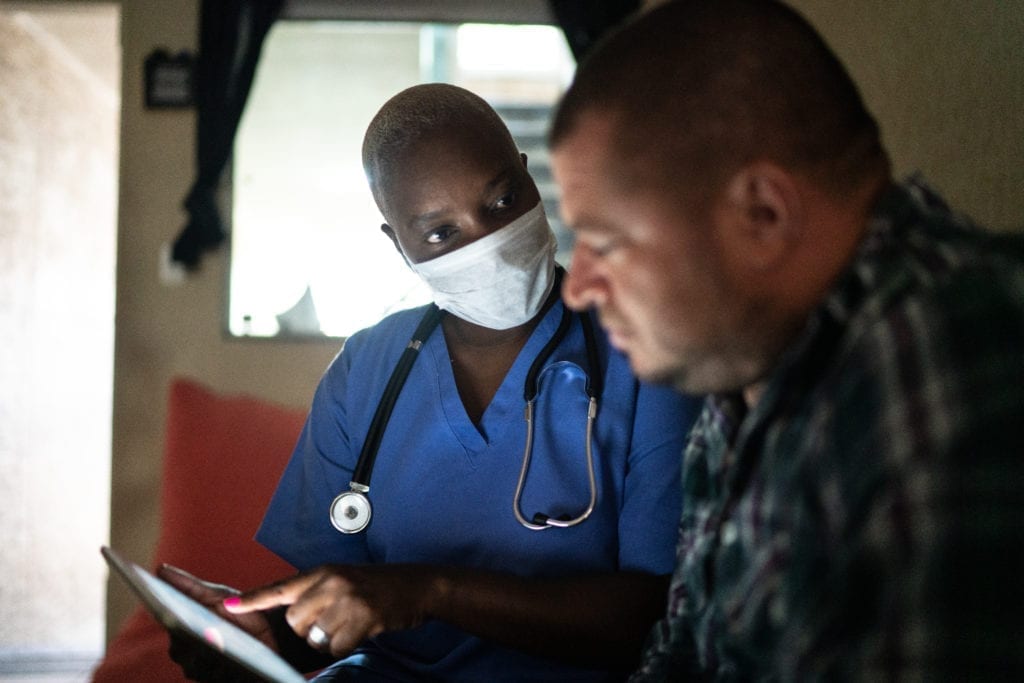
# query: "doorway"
{"type": "Point", "coordinates": [60, 72]}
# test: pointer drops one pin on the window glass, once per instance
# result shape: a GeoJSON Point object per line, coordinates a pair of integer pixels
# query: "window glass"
{"type": "Point", "coordinates": [307, 253]}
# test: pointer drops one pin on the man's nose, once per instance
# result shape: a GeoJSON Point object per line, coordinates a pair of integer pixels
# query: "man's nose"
{"type": "Point", "coordinates": [580, 289]}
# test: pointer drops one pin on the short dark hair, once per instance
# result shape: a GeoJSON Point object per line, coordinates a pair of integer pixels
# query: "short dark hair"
{"type": "Point", "coordinates": [708, 85]}
{"type": "Point", "coordinates": [416, 115]}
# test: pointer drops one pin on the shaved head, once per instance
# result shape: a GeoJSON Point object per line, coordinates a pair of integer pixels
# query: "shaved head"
{"type": "Point", "coordinates": [698, 88]}
{"type": "Point", "coordinates": [427, 114]}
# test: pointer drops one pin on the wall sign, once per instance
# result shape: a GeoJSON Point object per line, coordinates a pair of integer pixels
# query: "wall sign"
{"type": "Point", "coordinates": [170, 80]}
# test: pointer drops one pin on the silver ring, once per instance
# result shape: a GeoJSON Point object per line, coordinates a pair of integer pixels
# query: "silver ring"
{"type": "Point", "coordinates": [317, 636]}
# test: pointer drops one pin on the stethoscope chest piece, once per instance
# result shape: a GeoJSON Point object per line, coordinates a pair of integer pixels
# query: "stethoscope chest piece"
{"type": "Point", "coordinates": [350, 512]}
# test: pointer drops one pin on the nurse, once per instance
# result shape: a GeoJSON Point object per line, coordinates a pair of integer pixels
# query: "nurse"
{"type": "Point", "coordinates": [445, 583]}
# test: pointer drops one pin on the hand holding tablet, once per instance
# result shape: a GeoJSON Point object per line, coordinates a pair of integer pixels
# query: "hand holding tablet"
{"type": "Point", "coordinates": [181, 615]}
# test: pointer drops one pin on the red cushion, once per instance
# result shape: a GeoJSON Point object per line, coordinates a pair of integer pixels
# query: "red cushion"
{"type": "Point", "coordinates": [223, 456]}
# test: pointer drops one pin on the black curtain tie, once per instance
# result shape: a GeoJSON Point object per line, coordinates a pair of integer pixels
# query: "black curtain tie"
{"type": "Point", "coordinates": [231, 34]}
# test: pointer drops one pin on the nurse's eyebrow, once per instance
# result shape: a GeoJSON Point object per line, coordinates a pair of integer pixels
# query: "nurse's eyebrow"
{"type": "Point", "coordinates": [424, 220]}
{"type": "Point", "coordinates": [503, 176]}
{"type": "Point", "coordinates": [427, 218]}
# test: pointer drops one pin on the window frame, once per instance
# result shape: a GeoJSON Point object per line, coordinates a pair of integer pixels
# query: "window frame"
{"type": "Point", "coordinates": [525, 12]}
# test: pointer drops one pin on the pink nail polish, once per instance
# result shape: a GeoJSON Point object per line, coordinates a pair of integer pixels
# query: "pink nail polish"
{"type": "Point", "coordinates": [233, 601]}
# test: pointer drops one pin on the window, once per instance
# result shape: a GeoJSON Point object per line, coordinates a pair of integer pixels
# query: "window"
{"type": "Point", "coordinates": [307, 253]}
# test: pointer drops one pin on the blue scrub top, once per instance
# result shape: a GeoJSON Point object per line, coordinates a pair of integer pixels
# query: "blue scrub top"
{"type": "Point", "coordinates": [442, 487]}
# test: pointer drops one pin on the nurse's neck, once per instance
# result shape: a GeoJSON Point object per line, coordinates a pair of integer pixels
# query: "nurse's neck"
{"type": "Point", "coordinates": [462, 333]}
{"type": "Point", "coordinates": [481, 358]}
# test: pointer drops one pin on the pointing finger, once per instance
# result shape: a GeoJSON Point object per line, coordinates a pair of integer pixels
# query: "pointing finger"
{"type": "Point", "coordinates": [275, 595]}
{"type": "Point", "coordinates": [193, 586]}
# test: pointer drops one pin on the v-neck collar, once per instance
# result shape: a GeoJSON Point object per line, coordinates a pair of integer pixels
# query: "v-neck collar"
{"type": "Point", "coordinates": [505, 410]}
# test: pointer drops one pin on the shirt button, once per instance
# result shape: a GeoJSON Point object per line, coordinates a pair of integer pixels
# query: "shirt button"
{"type": "Point", "coordinates": [729, 533]}
{"type": "Point", "coordinates": [777, 610]}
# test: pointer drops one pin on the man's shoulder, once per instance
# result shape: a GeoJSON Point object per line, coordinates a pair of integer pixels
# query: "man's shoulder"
{"type": "Point", "coordinates": [942, 239]}
{"type": "Point", "coordinates": [917, 250]}
{"type": "Point", "coordinates": [928, 335]}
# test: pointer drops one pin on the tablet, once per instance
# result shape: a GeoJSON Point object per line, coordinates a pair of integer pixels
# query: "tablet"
{"type": "Point", "coordinates": [181, 614]}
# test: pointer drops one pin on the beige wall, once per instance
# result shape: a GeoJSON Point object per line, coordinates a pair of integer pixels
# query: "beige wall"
{"type": "Point", "coordinates": [165, 331]}
{"type": "Point", "coordinates": [59, 106]}
{"type": "Point", "coordinates": [945, 79]}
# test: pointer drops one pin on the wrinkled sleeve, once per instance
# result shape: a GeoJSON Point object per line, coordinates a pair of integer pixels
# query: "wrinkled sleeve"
{"type": "Point", "coordinates": [652, 489]}
{"type": "Point", "coordinates": [939, 548]}
{"type": "Point", "coordinates": [296, 525]}
{"type": "Point", "coordinates": [669, 655]}
{"type": "Point", "coordinates": [670, 652]}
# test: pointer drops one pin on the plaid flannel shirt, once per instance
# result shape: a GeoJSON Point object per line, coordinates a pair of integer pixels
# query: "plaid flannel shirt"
{"type": "Point", "coordinates": [865, 520]}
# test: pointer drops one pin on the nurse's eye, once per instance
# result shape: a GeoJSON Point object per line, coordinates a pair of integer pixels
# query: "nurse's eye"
{"type": "Point", "coordinates": [505, 201]}
{"type": "Point", "coordinates": [439, 235]}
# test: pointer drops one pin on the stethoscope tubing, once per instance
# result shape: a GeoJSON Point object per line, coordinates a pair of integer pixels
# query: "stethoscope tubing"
{"type": "Point", "coordinates": [368, 454]}
{"type": "Point", "coordinates": [541, 521]}
{"type": "Point", "coordinates": [350, 511]}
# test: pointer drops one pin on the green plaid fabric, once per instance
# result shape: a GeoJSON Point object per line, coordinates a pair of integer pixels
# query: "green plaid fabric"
{"type": "Point", "coordinates": [865, 521]}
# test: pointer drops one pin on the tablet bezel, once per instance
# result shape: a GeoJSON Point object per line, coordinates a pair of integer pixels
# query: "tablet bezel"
{"type": "Point", "coordinates": [256, 658]}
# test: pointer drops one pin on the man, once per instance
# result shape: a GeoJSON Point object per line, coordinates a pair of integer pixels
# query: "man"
{"type": "Point", "coordinates": [853, 502]}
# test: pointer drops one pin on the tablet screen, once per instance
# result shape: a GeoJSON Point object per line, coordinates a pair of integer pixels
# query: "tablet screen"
{"type": "Point", "coordinates": [175, 610]}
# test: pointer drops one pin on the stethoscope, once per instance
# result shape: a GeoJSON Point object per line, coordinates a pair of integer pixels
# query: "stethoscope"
{"type": "Point", "coordinates": [350, 510]}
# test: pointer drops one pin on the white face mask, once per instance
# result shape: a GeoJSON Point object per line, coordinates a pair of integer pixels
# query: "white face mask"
{"type": "Point", "coordinates": [500, 280]}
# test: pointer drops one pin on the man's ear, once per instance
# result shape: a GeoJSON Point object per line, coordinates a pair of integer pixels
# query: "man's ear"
{"type": "Point", "coordinates": [522, 155]}
{"type": "Point", "coordinates": [762, 215]}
